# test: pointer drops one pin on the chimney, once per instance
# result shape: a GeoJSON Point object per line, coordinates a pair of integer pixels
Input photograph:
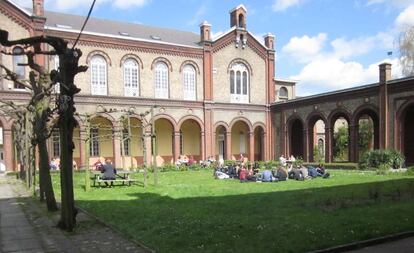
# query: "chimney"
{"type": "Point", "coordinates": [384, 73]}
{"type": "Point", "coordinates": [238, 17]}
{"type": "Point", "coordinates": [269, 41]}
{"type": "Point", "coordinates": [205, 31]}
{"type": "Point", "coordinates": [38, 8]}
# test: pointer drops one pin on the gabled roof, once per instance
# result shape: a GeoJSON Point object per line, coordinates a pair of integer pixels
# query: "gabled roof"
{"type": "Point", "coordinates": [96, 26]}
{"type": "Point", "coordinates": [24, 10]}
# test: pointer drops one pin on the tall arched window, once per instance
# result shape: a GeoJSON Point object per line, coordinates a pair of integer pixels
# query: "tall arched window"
{"type": "Point", "coordinates": [189, 82]}
{"type": "Point", "coordinates": [98, 76]}
{"type": "Point", "coordinates": [161, 80]}
{"type": "Point", "coordinates": [131, 78]}
{"type": "Point", "coordinates": [18, 58]}
{"type": "Point", "coordinates": [283, 93]}
{"type": "Point", "coordinates": [239, 83]}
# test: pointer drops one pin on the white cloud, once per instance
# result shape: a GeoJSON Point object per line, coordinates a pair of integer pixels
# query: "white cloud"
{"type": "Point", "coordinates": [125, 4]}
{"type": "Point", "coordinates": [304, 48]}
{"type": "Point", "coordinates": [281, 5]}
{"type": "Point", "coordinates": [395, 3]}
{"type": "Point", "coordinates": [332, 74]}
{"type": "Point", "coordinates": [343, 48]}
{"type": "Point", "coordinates": [405, 18]}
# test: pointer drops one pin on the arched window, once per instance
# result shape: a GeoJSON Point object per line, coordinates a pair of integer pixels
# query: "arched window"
{"type": "Point", "coordinates": [239, 83]}
{"type": "Point", "coordinates": [18, 58]}
{"type": "Point", "coordinates": [161, 80]}
{"type": "Point", "coordinates": [131, 78]}
{"type": "Point", "coordinates": [241, 20]}
{"type": "Point", "coordinates": [98, 76]}
{"type": "Point", "coordinates": [189, 82]}
{"type": "Point", "coordinates": [283, 93]}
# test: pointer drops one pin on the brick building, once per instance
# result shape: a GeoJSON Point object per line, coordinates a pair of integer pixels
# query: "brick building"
{"type": "Point", "coordinates": [209, 96]}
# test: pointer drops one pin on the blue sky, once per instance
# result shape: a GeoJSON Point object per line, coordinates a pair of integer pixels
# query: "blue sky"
{"type": "Point", "coordinates": [325, 44]}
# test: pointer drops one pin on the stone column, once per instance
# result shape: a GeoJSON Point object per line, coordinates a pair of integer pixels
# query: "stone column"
{"type": "Point", "coordinates": [82, 149]}
{"type": "Point", "coordinates": [353, 143]}
{"type": "Point", "coordinates": [251, 146]}
{"type": "Point", "coordinates": [305, 145]}
{"type": "Point", "coordinates": [328, 145]}
{"type": "Point", "coordinates": [117, 146]}
{"type": "Point", "coordinates": [8, 150]}
{"type": "Point", "coordinates": [228, 146]}
{"type": "Point", "coordinates": [202, 148]}
{"type": "Point", "coordinates": [176, 144]}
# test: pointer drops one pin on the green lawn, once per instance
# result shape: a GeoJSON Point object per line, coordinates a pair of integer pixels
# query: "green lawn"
{"type": "Point", "coordinates": [192, 212]}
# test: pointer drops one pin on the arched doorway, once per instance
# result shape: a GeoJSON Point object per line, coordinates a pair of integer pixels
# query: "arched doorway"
{"type": "Point", "coordinates": [316, 131]}
{"type": "Point", "coordinates": [408, 135]}
{"type": "Point", "coordinates": [259, 144]}
{"type": "Point", "coordinates": [190, 139]}
{"type": "Point", "coordinates": [164, 132]}
{"type": "Point", "coordinates": [221, 142]}
{"type": "Point", "coordinates": [340, 140]}
{"type": "Point", "coordinates": [240, 139]}
{"type": "Point", "coordinates": [367, 123]}
{"type": "Point", "coordinates": [296, 139]}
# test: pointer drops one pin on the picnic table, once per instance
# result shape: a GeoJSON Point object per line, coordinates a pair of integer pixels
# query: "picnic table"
{"type": "Point", "coordinates": [122, 176]}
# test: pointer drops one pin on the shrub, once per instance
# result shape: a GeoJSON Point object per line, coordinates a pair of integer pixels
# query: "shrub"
{"type": "Point", "coordinates": [382, 169]}
{"type": "Point", "coordinates": [336, 166]}
{"type": "Point", "coordinates": [410, 171]}
{"type": "Point", "coordinates": [374, 158]}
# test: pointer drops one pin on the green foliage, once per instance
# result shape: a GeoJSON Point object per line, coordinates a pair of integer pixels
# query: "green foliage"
{"type": "Point", "coordinates": [298, 162]}
{"type": "Point", "coordinates": [318, 155]}
{"type": "Point", "coordinates": [383, 169]}
{"type": "Point", "coordinates": [336, 166]}
{"type": "Point", "coordinates": [410, 171]}
{"type": "Point", "coordinates": [366, 133]}
{"type": "Point", "coordinates": [375, 158]}
{"type": "Point", "coordinates": [340, 147]}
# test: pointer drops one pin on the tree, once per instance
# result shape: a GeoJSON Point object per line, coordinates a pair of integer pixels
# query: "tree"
{"type": "Point", "coordinates": [38, 113]}
{"type": "Point", "coordinates": [366, 133]}
{"type": "Point", "coordinates": [341, 144]}
{"type": "Point", "coordinates": [68, 69]}
{"type": "Point", "coordinates": [407, 51]}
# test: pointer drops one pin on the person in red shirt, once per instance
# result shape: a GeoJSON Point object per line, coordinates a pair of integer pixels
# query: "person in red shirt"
{"type": "Point", "coordinates": [243, 174]}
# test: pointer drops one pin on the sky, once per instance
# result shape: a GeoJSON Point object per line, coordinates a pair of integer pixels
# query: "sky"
{"type": "Point", "coordinates": [325, 45]}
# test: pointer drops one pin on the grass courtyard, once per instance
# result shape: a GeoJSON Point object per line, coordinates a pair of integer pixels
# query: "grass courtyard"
{"type": "Point", "coordinates": [192, 212]}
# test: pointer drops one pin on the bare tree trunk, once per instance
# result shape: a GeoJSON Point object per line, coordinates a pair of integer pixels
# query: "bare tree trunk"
{"type": "Point", "coordinates": [44, 177]}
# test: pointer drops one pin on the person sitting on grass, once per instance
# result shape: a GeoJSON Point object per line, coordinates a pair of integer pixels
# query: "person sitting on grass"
{"type": "Point", "coordinates": [281, 174]}
{"type": "Point", "coordinates": [250, 174]}
{"type": "Point", "coordinates": [108, 171]}
{"type": "Point", "coordinates": [220, 174]}
{"type": "Point", "coordinates": [267, 176]}
{"type": "Point", "coordinates": [243, 174]}
{"type": "Point", "coordinates": [312, 172]}
{"type": "Point", "coordinates": [321, 172]}
{"type": "Point", "coordinates": [295, 173]}
{"type": "Point", "coordinates": [304, 172]}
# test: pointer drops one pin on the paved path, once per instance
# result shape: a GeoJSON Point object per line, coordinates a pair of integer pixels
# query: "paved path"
{"type": "Point", "coordinates": [25, 226]}
{"type": "Point", "coordinates": [16, 233]}
{"type": "Point", "coordinates": [401, 246]}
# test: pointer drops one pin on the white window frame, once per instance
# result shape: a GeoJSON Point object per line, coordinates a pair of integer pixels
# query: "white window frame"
{"type": "Point", "coordinates": [56, 143]}
{"type": "Point", "coordinates": [131, 78]}
{"type": "Point", "coordinates": [241, 75]}
{"type": "Point", "coordinates": [1, 135]}
{"type": "Point", "coordinates": [17, 59]}
{"type": "Point", "coordinates": [94, 143]}
{"type": "Point", "coordinates": [161, 81]}
{"type": "Point", "coordinates": [189, 82]}
{"type": "Point", "coordinates": [242, 143]}
{"type": "Point", "coordinates": [99, 84]}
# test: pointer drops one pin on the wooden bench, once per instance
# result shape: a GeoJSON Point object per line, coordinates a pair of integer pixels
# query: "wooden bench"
{"type": "Point", "coordinates": [122, 176]}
